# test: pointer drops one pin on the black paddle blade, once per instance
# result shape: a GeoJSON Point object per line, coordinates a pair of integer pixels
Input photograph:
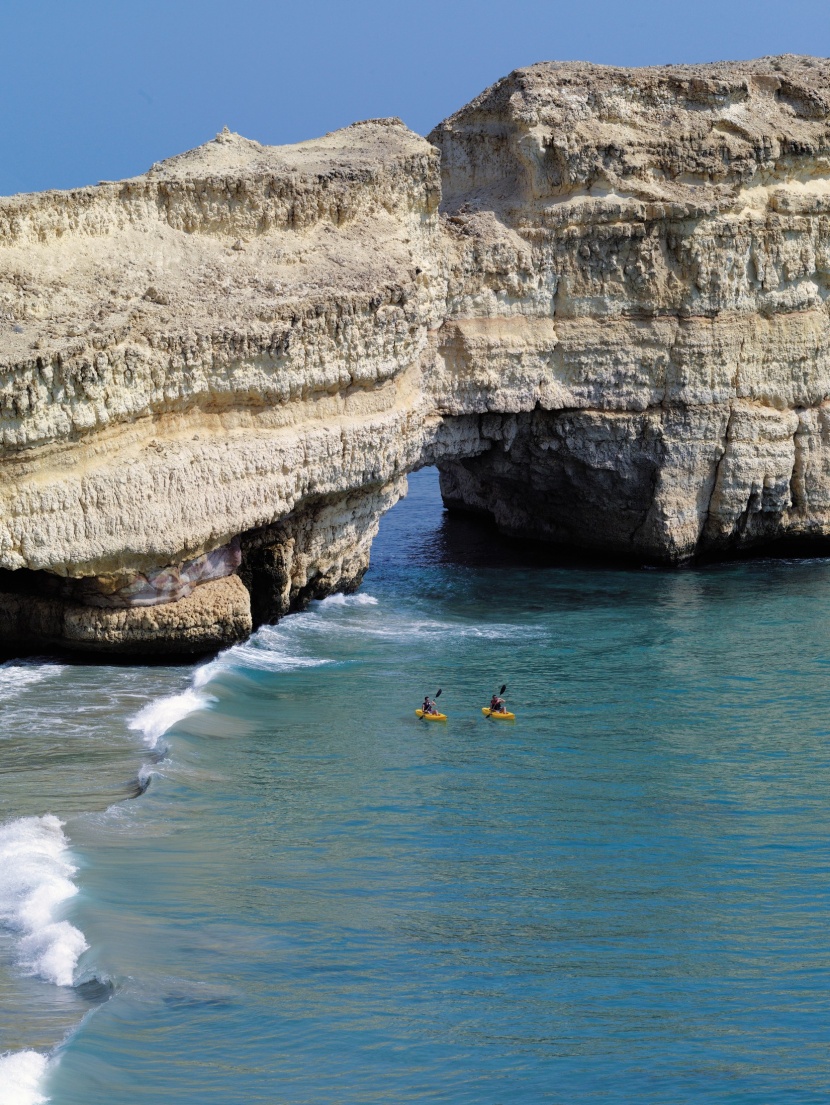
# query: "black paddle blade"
{"type": "Point", "coordinates": [438, 693]}
{"type": "Point", "coordinates": [504, 688]}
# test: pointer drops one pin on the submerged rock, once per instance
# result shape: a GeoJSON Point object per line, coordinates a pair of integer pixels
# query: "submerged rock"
{"type": "Point", "coordinates": [596, 298]}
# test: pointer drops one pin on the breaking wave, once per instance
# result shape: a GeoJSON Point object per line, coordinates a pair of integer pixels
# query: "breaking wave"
{"type": "Point", "coordinates": [157, 717]}
{"type": "Point", "coordinates": [271, 649]}
{"type": "Point", "coordinates": [35, 881]}
{"type": "Point", "coordinates": [21, 1076]}
{"type": "Point", "coordinates": [346, 600]}
{"type": "Point", "coordinates": [397, 624]}
{"type": "Point", "coordinates": [294, 644]}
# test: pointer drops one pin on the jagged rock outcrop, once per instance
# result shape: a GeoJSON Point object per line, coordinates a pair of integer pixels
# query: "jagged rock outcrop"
{"type": "Point", "coordinates": [597, 298]}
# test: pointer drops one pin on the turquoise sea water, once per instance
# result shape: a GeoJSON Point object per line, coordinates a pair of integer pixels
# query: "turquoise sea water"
{"type": "Point", "coordinates": [621, 897]}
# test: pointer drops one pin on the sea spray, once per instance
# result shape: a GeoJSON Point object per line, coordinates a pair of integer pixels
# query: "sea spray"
{"type": "Point", "coordinates": [35, 880]}
{"type": "Point", "coordinates": [157, 717]}
{"type": "Point", "coordinates": [346, 600]}
{"type": "Point", "coordinates": [21, 1077]}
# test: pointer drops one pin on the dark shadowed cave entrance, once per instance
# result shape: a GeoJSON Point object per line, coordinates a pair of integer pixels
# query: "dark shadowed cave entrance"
{"type": "Point", "coordinates": [424, 528]}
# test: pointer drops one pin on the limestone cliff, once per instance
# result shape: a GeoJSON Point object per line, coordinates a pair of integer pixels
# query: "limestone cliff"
{"type": "Point", "coordinates": [212, 373]}
{"type": "Point", "coordinates": [643, 300]}
{"type": "Point", "coordinates": [597, 298]}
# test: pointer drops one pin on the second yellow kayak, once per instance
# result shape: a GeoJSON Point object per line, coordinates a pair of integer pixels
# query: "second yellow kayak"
{"type": "Point", "coordinates": [498, 715]}
{"type": "Point", "coordinates": [430, 717]}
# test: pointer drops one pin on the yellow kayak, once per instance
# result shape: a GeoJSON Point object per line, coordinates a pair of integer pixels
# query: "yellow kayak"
{"type": "Point", "coordinates": [498, 715]}
{"type": "Point", "coordinates": [430, 717]}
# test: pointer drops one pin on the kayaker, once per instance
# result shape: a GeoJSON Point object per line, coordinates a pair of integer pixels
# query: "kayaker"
{"type": "Point", "coordinates": [429, 706]}
{"type": "Point", "coordinates": [497, 705]}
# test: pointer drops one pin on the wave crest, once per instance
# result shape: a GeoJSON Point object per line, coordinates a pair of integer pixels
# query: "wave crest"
{"type": "Point", "coordinates": [157, 717]}
{"type": "Point", "coordinates": [35, 880]}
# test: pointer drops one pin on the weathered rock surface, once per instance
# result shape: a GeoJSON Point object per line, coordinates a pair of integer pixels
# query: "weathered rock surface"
{"type": "Point", "coordinates": [645, 285]}
{"type": "Point", "coordinates": [232, 341]}
{"type": "Point", "coordinates": [597, 298]}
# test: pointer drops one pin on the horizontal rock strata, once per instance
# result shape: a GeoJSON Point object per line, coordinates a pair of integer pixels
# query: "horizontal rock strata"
{"type": "Point", "coordinates": [646, 257]}
{"type": "Point", "coordinates": [597, 298]}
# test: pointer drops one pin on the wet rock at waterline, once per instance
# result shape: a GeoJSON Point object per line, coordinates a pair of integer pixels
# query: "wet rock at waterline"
{"type": "Point", "coordinates": [596, 298]}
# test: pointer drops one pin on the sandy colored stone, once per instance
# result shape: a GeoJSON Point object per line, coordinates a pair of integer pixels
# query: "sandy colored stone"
{"type": "Point", "coordinates": [672, 227]}
{"type": "Point", "coordinates": [215, 615]}
{"type": "Point", "coordinates": [596, 297]}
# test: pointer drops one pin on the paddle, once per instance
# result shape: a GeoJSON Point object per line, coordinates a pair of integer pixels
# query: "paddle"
{"type": "Point", "coordinates": [437, 695]}
{"type": "Point", "coordinates": [501, 692]}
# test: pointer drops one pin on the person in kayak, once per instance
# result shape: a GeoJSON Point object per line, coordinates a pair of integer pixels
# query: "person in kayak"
{"type": "Point", "coordinates": [429, 706]}
{"type": "Point", "coordinates": [497, 705]}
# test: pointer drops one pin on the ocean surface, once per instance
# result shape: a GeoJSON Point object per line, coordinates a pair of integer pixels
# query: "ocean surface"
{"type": "Point", "coordinates": [261, 879]}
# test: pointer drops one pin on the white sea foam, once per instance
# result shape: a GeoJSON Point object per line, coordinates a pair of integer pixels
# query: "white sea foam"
{"type": "Point", "coordinates": [267, 650]}
{"type": "Point", "coordinates": [270, 649]}
{"type": "Point", "coordinates": [395, 625]}
{"type": "Point", "coordinates": [156, 718]}
{"type": "Point", "coordinates": [35, 880]}
{"type": "Point", "coordinates": [346, 600]}
{"type": "Point", "coordinates": [276, 648]}
{"type": "Point", "coordinates": [21, 1076]}
{"type": "Point", "coordinates": [16, 675]}
{"type": "Point", "coordinates": [402, 628]}
{"type": "Point", "coordinates": [285, 647]}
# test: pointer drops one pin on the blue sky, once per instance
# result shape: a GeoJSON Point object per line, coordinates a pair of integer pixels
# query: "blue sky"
{"type": "Point", "coordinates": [100, 90]}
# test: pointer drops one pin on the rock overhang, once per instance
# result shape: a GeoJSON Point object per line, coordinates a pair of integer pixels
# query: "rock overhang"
{"type": "Point", "coordinates": [613, 334]}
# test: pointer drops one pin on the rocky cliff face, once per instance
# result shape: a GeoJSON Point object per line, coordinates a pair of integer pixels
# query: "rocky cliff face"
{"type": "Point", "coordinates": [643, 301]}
{"type": "Point", "coordinates": [597, 298]}
{"type": "Point", "coordinates": [213, 374]}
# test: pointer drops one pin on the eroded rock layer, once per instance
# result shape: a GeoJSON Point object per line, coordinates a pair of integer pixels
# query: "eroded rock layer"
{"type": "Point", "coordinates": [209, 366]}
{"type": "Point", "coordinates": [646, 257]}
{"type": "Point", "coordinates": [597, 298]}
